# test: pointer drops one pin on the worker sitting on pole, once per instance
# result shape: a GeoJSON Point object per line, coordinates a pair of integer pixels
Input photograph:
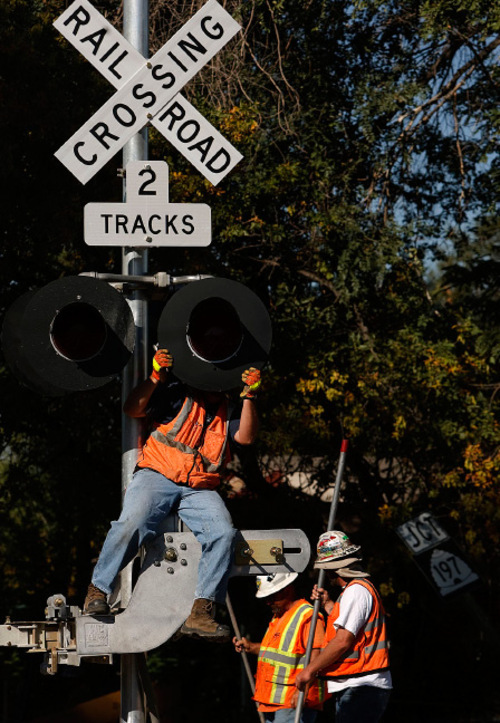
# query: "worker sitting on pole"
{"type": "Point", "coordinates": [355, 655]}
{"type": "Point", "coordinates": [282, 650]}
{"type": "Point", "coordinates": [178, 470]}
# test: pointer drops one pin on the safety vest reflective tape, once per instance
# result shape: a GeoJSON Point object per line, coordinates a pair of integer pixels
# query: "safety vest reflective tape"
{"type": "Point", "coordinates": [370, 651]}
{"type": "Point", "coordinates": [282, 655]}
{"type": "Point", "coordinates": [190, 449]}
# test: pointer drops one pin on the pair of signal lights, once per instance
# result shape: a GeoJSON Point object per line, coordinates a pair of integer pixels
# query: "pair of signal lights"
{"type": "Point", "coordinates": [78, 333]}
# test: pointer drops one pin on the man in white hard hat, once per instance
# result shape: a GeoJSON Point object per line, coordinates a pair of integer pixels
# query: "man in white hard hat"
{"type": "Point", "coordinates": [282, 651]}
{"type": "Point", "coordinates": [355, 656]}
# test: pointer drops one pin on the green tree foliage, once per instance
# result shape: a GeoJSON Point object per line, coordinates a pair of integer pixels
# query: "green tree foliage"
{"type": "Point", "coordinates": [365, 214]}
{"type": "Point", "coordinates": [370, 133]}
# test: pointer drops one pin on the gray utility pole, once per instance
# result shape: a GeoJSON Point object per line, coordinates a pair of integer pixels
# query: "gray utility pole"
{"type": "Point", "coordinates": [135, 263]}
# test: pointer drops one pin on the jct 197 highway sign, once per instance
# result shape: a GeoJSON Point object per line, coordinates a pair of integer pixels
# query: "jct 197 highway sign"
{"type": "Point", "coordinates": [421, 533]}
{"type": "Point", "coordinates": [438, 557]}
{"type": "Point", "coordinates": [445, 568]}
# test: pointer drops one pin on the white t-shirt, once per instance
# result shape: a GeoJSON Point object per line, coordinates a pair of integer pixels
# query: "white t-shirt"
{"type": "Point", "coordinates": [355, 608]}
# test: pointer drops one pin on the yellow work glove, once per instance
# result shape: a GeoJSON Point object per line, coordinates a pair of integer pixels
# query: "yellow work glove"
{"type": "Point", "coordinates": [251, 379]}
{"type": "Point", "coordinates": [161, 360]}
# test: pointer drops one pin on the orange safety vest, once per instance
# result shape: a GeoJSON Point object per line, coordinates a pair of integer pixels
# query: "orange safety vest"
{"type": "Point", "coordinates": [370, 651]}
{"type": "Point", "coordinates": [281, 657]}
{"type": "Point", "coordinates": [188, 451]}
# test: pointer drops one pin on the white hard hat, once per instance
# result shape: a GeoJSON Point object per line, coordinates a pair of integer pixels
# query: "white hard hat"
{"type": "Point", "coordinates": [336, 551]}
{"type": "Point", "coordinates": [269, 584]}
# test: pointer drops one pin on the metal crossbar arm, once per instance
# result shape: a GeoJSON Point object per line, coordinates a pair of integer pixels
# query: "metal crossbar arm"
{"type": "Point", "coordinates": [161, 280]}
{"type": "Point", "coordinates": [321, 576]}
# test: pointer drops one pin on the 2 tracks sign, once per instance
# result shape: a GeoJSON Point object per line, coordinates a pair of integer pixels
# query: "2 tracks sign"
{"type": "Point", "coordinates": [146, 218]}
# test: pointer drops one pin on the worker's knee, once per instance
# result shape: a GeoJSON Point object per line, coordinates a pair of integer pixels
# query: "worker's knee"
{"type": "Point", "coordinates": [224, 536]}
{"type": "Point", "coordinates": [229, 533]}
{"type": "Point", "coordinates": [224, 532]}
{"type": "Point", "coordinates": [126, 529]}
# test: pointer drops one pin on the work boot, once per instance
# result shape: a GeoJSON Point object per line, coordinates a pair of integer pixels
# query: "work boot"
{"type": "Point", "coordinates": [96, 602]}
{"type": "Point", "coordinates": [201, 623]}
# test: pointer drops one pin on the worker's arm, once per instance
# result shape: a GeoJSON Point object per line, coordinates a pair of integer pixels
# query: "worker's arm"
{"type": "Point", "coordinates": [249, 420]}
{"type": "Point", "coordinates": [249, 423]}
{"type": "Point", "coordinates": [137, 401]}
{"type": "Point", "coordinates": [319, 593]}
{"type": "Point", "coordinates": [243, 644]}
{"type": "Point", "coordinates": [340, 644]}
{"type": "Point", "coordinates": [295, 698]}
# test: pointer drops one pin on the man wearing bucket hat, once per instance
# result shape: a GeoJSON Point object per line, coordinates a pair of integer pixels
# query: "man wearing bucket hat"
{"type": "Point", "coordinates": [282, 650]}
{"type": "Point", "coordinates": [355, 657]}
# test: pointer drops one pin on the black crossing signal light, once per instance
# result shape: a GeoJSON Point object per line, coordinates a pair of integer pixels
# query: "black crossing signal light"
{"type": "Point", "coordinates": [215, 329]}
{"type": "Point", "coordinates": [74, 334]}
{"type": "Point", "coordinates": [77, 333]}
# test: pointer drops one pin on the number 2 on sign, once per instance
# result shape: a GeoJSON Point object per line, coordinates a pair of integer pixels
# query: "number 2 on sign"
{"type": "Point", "coordinates": [152, 178]}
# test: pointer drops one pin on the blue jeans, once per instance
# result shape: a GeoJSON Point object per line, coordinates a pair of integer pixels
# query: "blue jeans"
{"type": "Point", "coordinates": [362, 703]}
{"type": "Point", "coordinates": [287, 715]}
{"type": "Point", "coordinates": [148, 500]}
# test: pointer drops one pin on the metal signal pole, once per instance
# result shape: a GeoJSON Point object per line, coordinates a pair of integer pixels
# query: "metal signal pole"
{"type": "Point", "coordinates": [134, 263]}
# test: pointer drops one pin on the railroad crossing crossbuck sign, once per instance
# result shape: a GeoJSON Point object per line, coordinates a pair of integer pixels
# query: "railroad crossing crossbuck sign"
{"type": "Point", "coordinates": [148, 90]}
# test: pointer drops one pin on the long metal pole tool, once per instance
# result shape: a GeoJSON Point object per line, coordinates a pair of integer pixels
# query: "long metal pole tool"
{"type": "Point", "coordinates": [248, 670]}
{"type": "Point", "coordinates": [321, 576]}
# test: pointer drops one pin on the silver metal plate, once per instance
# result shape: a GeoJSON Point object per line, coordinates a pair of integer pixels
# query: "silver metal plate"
{"type": "Point", "coordinates": [164, 592]}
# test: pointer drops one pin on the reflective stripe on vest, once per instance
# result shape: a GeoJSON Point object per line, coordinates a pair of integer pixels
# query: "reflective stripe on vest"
{"type": "Point", "coordinates": [177, 423]}
{"type": "Point", "coordinates": [186, 449]}
{"type": "Point", "coordinates": [279, 660]}
{"type": "Point", "coordinates": [370, 651]}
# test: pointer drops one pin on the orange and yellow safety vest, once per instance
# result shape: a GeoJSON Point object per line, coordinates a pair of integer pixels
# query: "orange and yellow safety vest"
{"type": "Point", "coordinates": [281, 657]}
{"type": "Point", "coordinates": [370, 651]}
{"type": "Point", "coordinates": [187, 450]}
